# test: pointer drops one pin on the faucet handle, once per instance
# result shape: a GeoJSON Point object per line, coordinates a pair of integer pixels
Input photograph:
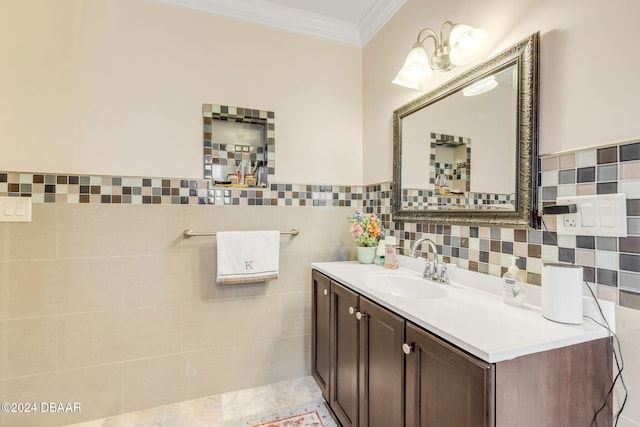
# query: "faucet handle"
{"type": "Point", "coordinates": [427, 269]}
{"type": "Point", "coordinates": [435, 269]}
{"type": "Point", "coordinates": [443, 277]}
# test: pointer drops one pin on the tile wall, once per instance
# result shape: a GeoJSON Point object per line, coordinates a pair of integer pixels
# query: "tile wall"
{"type": "Point", "coordinates": [611, 263]}
{"type": "Point", "coordinates": [108, 305]}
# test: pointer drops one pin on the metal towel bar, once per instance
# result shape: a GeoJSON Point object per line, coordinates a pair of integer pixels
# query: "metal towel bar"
{"type": "Point", "coordinates": [190, 233]}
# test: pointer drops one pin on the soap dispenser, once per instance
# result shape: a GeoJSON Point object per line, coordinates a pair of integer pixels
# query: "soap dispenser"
{"type": "Point", "coordinates": [380, 253]}
{"type": "Point", "coordinates": [513, 285]}
{"type": "Point", "coordinates": [390, 260]}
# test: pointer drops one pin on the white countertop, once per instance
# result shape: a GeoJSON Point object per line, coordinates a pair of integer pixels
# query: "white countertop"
{"type": "Point", "coordinates": [473, 316]}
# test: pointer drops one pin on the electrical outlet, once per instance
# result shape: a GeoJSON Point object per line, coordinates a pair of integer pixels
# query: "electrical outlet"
{"type": "Point", "coordinates": [598, 215]}
{"type": "Point", "coordinates": [569, 220]}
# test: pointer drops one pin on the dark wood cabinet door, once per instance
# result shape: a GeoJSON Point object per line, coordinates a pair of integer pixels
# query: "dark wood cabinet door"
{"type": "Point", "coordinates": [446, 387]}
{"type": "Point", "coordinates": [381, 366]}
{"type": "Point", "coordinates": [344, 355]}
{"type": "Point", "coordinates": [321, 331]}
{"type": "Point", "coordinates": [563, 387]}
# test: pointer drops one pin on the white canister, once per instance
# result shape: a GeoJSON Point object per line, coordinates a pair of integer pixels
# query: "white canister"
{"type": "Point", "coordinates": [562, 292]}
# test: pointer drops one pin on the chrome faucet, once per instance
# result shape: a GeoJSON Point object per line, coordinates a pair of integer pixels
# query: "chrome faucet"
{"type": "Point", "coordinates": [432, 270]}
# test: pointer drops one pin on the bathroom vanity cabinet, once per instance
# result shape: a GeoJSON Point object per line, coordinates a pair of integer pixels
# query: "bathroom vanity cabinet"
{"type": "Point", "coordinates": [356, 361]}
{"type": "Point", "coordinates": [376, 368]}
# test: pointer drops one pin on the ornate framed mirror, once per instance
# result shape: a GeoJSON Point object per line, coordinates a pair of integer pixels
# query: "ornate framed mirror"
{"type": "Point", "coordinates": [467, 152]}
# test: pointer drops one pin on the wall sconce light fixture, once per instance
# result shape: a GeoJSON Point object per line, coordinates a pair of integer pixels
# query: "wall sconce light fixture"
{"type": "Point", "coordinates": [463, 45]}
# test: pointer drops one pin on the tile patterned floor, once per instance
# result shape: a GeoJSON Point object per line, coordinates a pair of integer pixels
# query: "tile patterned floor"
{"type": "Point", "coordinates": [222, 410]}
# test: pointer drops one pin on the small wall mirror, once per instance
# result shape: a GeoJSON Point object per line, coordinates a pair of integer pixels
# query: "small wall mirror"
{"type": "Point", "coordinates": [239, 145]}
{"type": "Point", "coordinates": [466, 153]}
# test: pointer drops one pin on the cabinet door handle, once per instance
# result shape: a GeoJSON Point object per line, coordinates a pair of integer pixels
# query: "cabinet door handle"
{"type": "Point", "coordinates": [326, 292]}
{"type": "Point", "coordinates": [360, 315]}
{"type": "Point", "coordinates": [406, 348]}
{"type": "Point", "coordinates": [352, 310]}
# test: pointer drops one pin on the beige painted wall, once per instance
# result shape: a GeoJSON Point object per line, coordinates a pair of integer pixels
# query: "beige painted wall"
{"type": "Point", "coordinates": [115, 87]}
{"type": "Point", "coordinates": [588, 89]}
{"type": "Point", "coordinates": [588, 64]}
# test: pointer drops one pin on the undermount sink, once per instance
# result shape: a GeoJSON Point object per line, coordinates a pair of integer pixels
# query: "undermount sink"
{"type": "Point", "coordinates": [404, 286]}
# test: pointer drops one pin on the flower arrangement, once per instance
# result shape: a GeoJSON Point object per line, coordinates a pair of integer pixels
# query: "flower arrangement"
{"type": "Point", "coordinates": [366, 229]}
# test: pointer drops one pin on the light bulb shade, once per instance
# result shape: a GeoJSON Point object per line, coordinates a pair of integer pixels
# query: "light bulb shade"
{"type": "Point", "coordinates": [480, 87]}
{"type": "Point", "coordinates": [466, 43]}
{"type": "Point", "coordinates": [417, 56]}
{"type": "Point", "coordinates": [416, 69]}
{"type": "Point", "coordinates": [403, 80]}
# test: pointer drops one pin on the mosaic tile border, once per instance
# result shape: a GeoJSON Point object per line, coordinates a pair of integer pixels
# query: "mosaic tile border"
{"type": "Point", "coordinates": [611, 263]}
{"type": "Point", "coordinates": [417, 198]}
{"type": "Point", "coordinates": [50, 188]}
{"type": "Point", "coordinates": [288, 195]}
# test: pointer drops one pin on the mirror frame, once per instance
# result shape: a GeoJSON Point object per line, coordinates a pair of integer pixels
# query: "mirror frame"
{"type": "Point", "coordinates": [525, 55]}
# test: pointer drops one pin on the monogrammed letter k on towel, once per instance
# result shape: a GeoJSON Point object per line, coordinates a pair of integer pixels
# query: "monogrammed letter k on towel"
{"type": "Point", "coordinates": [247, 256]}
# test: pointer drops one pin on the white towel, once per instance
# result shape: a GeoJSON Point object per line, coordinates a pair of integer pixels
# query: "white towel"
{"type": "Point", "coordinates": [248, 256]}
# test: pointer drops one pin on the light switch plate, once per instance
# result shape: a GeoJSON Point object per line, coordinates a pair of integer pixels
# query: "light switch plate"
{"type": "Point", "coordinates": [15, 209]}
{"type": "Point", "coordinates": [600, 215]}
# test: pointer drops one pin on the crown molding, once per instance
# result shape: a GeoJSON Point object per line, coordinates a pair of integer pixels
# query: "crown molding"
{"type": "Point", "coordinates": [375, 19]}
{"type": "Point", "coordinates": [296, 20]}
